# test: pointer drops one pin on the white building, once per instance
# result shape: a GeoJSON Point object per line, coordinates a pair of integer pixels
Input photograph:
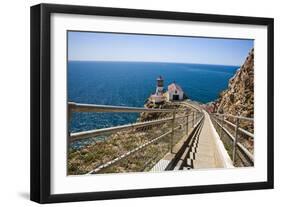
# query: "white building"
{"type": "Point", "coordinates": [175, 92]}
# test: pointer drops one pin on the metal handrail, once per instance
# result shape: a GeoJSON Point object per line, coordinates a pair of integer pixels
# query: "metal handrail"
{"type": "Point", "coordinates": [192, 106]}
{"type": "Point", "coordinates": [79, 107]}
{"type": "Point", "coordinates": [112, 162]}
{"type": "Point", "coordinates": [239, 117]}
{"type": "Point", "coordinates": [240, 129]}
{"type": "Point", "coordinates": [91, 133]}
{"type": "Point", "coordinates": [235, 141]}
{"type": "Point", "coordinates": [245, 151]}
{"type": "Point", "coordinates": [120, 158]}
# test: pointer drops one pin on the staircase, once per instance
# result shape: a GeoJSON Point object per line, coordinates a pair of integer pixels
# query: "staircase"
{"type": "Point", "coordinates": [186, 160]}
{"type": "Point", "coordinates": [200, 151]}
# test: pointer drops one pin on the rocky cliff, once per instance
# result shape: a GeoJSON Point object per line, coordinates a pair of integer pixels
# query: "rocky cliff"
{"type": "Point", "coordinates": [181, 110]}
{"type": "Point", "coordinates": [238, 98]}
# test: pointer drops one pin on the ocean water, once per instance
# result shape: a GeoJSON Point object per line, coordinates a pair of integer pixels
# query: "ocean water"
{"type": "Point", "coordinates": [131, 83]}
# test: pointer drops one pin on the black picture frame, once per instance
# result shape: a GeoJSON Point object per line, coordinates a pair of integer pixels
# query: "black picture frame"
{"type": "Point", "coordinates": [41, 98]}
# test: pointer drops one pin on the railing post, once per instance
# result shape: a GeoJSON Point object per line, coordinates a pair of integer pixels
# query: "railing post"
{"type": "Point", "coordinates": [187, 117]}
{"type": "Point", "coordinates": [235, 141]}
{"type": "Point", "coordinates": [193, 121]}
{"type": "Point", "coordinates": [222, 120]}
{"type": "Point", "coordinates": [173, 131]}
{"type": "Point", "coordinates": [217, 122]}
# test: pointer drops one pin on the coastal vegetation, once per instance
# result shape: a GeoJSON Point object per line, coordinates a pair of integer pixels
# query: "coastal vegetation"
{"type": "Point", "coordinates": [98, 152]}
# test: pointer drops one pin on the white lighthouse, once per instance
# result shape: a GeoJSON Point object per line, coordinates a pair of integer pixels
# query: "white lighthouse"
{"type": "Point", "coordinates": [158, 97]}
{"type": "Point", "coordinates": [160, 86]}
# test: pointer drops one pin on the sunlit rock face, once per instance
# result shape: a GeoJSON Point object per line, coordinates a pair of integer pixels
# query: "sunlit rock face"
{"type": "Point", "coordinates": [238, 98]}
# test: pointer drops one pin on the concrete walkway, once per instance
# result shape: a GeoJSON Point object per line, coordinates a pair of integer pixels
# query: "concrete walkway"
{"type": "Point", "coordinates": [210, 152]}
{"type": "Point", "coordinates": [207, 150]}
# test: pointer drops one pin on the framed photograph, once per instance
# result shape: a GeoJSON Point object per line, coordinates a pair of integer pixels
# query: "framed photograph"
{"type": "Point", "coordinates": [132, 103]}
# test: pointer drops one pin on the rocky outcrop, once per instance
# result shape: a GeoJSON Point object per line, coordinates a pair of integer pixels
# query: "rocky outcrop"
{"type": "Point", "coordinates": [238, 98]}
{"type": "Point", "coordinates": [180, 110]}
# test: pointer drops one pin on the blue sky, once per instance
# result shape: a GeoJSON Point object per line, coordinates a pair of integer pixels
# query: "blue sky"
{"type": "Point", "coordinates": [92, 46]}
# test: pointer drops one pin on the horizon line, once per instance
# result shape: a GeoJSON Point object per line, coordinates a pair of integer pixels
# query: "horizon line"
{"type": "Point", "coordinates": [151, 62]}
